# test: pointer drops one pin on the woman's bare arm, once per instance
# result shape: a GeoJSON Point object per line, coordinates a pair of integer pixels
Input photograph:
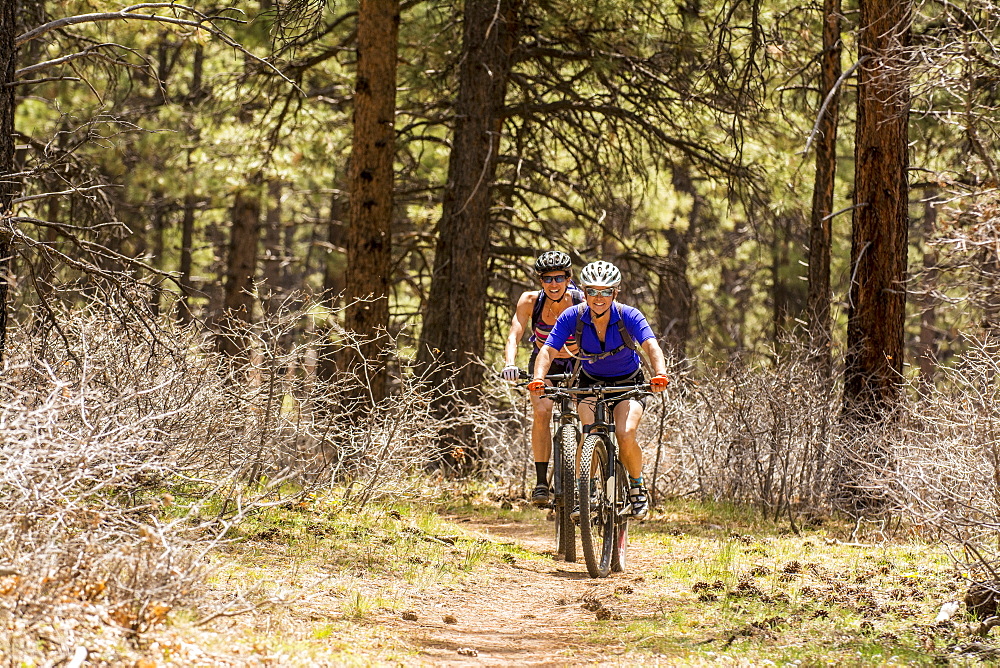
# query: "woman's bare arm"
{"type": "Point", "coordinates": [517, 325]}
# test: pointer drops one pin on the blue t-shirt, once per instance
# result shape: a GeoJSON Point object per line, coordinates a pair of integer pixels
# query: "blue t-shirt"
{"type": "Point", "coordinates": [625, 361]}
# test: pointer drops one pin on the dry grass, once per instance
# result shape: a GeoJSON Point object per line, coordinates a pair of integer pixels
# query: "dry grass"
{"type": "Point", "coordinates": [315, 585]}
{"type": "Point", "coordinates": [734, 588]}
{"type": "Point", "coordinates": [161, 501]}
{"type": "Point", "coordinates": [708, 583]}
{"type": "Point", "coordinates": [133, 451]}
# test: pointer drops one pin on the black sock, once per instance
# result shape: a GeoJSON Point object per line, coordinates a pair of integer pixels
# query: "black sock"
{"type": "Point", "coordinates": [542, 473]}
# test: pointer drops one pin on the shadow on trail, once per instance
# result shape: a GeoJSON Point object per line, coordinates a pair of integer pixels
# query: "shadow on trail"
{"type": "Point", "coordinates": [569, 575]}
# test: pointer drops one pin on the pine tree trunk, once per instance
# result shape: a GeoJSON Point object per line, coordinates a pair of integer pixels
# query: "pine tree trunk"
{"type": "Point", "coordinates": [156, 256]}
{"type": "Point", "coordinates": [675, 299]}
{"type": "Point", "coordinates": [780, 293]}
{"type": "Point", "coordinates": [195, 90]}
{"type": "Point", "coordinates": [333, 279]}
{"type": "Point", "coordinates": [240, 269]}
{"type": "Point", "coordinates": [333, 276]}
{"type": "Point", "coordinates": [820, 233]}
{"type": "Point", "coordinates": [369, 237]}
{"type": "Point", "coordinates": [454, 321]}
{"type": "Point", "coordinates": [274, 252]}
{"type": "Point", "coordinates": [187, 243]}
{"type": "Point", "coordinates": [8, 57]}
{"type": "Point", "coordinates": [874, 361]}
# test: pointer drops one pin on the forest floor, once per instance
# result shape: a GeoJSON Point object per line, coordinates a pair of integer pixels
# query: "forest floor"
{"type": "Point", "coordinates": [470, 582]}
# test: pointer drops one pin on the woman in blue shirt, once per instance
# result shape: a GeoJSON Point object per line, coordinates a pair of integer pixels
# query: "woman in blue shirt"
{"type": "Point", "coordinates": [608, 333]}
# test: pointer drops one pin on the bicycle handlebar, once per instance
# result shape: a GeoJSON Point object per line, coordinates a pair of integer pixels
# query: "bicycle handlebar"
{"type": "Point", "coordinates": [598, 389]}
{"type": "Point", "coordinates": [554, 377]}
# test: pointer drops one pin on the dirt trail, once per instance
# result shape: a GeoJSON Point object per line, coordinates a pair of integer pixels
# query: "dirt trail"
{"type": "Point", "coordinates": [527, 613]}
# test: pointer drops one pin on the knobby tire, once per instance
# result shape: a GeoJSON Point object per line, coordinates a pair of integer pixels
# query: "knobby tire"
{"type": "Point", "coordinates": [567, 470]}
{"type": "Point", "coordinates": [597, 525]}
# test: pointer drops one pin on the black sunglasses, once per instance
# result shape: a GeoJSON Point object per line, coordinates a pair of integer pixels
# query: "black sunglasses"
{"type": "Point", "coordinates": [600, 292]}
{"type": "Point", "coordinates": [557, 279]}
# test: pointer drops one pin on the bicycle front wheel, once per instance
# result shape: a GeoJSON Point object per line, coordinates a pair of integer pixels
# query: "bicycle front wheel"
{"type": "Point", "coordinates": [597, 514]}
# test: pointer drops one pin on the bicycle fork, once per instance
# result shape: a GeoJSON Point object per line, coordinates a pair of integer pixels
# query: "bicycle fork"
{"type": "Point", "coordinates": [614, 471]}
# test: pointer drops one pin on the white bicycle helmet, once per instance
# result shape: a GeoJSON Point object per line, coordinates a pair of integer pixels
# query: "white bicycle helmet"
{"type": "Point", "coordinates": [601, 273]}
{"type": "Point", "coordinates": [552, 261]}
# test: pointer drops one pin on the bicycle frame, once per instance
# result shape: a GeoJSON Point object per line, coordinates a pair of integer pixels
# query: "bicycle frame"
{"type": "Point", "coordinates": [601, 482]}
{"type": "Point", "coordinates": [601, 425]}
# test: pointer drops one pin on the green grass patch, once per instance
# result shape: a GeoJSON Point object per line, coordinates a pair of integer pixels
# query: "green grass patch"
{"type": "Point", "coordinates": [731, 586]}
{"type": "Point", "coordinates": [709, 582]}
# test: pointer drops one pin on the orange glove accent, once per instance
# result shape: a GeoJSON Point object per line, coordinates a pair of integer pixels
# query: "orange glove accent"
{"type": "Point", "coordinates": [536, 387]}
{"type": "Point", "coordinates": [659, 383]}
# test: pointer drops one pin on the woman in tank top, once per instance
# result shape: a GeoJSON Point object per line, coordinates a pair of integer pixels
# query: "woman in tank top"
{"type": "Point", "coordinates": [541, 308]}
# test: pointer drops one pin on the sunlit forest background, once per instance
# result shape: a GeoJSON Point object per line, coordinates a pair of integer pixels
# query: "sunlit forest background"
{"type": "Point", "coordinates": [677, 141]}
{"type": "Point", "coordinates": [672, 140]}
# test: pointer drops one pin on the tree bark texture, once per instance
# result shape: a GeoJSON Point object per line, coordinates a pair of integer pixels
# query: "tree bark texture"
{"type": "Point", "coordinates": [454, 319]}
{"type": "Point", "coordinates": [874, 360]}
{"type": "Point", "coordinates": [240, 270]}
{"type": "Point", "coordinates": [187, 245]}
{"type": "Point", "coordinates": [821, 228]}
{"type": "Point", "coordinates": [8, 57]}
{"type": "Point", "coordinates": [369, 237]}
{"type": "Point", "coordinates": [675, 299]}
{"type": "Point", "coordinates": [273, 270]}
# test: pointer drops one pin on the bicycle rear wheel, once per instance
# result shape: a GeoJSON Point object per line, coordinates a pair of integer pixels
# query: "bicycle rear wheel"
{"type": "Point", "coordinates": [597, 520]}
{"type": "Point", "coordinates": [564, 500]}
{"type": "Point", "coordinates": [619, 554]}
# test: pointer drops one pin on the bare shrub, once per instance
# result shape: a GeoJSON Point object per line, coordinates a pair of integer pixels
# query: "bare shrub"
{"type": "Point", "coordinates": [763, 435]}
{"type": "Point", "coordinates": [78, 537]}
{"type": "Point", "coordinates": [502, 425]}
{"type": "Point", "coordinates": [131, 449]}
{"type": "Point", "coordinates": [948, 459]}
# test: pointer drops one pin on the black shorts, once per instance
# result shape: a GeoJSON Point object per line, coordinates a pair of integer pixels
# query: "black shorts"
{"type": "Point", "coordinates": [634, 378]}
{"type": "Point", "coordinates": [559, 364]}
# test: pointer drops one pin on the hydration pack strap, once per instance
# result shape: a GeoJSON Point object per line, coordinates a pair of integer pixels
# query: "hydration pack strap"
{"type": "Point", "coordinates": [536, 311]}
{"type": "Point", "coordinates": [627, 341]}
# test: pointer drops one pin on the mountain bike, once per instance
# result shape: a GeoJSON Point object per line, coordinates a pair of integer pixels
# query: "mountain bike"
{"type": "Point", "coordinates": [562, 473]}
{"type": "Point", "coordinates": [602, 483]}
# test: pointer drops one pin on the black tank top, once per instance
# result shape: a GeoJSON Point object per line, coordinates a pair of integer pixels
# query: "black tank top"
{"type": "Point", "coordinates": [540, 329]}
